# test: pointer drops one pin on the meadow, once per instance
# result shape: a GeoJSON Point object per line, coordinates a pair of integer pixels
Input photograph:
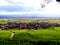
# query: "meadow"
{"type": "Point", "coordinates": [48, 36]}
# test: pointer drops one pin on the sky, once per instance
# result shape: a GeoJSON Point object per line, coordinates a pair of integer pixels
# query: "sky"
{"type": "Point", "coordinates": [30, 7]}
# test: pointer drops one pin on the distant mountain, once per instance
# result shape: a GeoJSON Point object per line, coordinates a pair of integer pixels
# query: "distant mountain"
{"type": "Point", "coordinates": [28, 16]}
{"type": "Point", "coordinates": [20, 16]}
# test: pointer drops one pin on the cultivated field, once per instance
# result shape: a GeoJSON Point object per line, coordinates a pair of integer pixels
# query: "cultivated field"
{"type": "Point", "coordinates": [40, 36]}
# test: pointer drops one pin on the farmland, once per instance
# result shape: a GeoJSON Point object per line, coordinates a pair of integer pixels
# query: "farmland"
{"type": "Point", "coordinates": [22, 37]}
{"type": "Point", "coordinates": [42, 36]}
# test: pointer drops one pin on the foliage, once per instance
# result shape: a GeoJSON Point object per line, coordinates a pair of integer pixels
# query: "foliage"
{"type": "Point", "coordinates": [31, 37]}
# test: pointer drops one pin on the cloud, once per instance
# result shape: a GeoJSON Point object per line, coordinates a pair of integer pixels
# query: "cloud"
{"type": "Point", "coordinates": [30, 3]}
{"type": "Point", "coordinates": [19, 5]}
{"type": "Point", "coordinates": [9, 7]}
{"type": "Point", "coordinates": [2, 2]}
{"type": "Point", "coordinates": [15, 8]}
{"type": "Point", "coordinates": [27, 7]}
{"type": "Point", "coordinates": [7, 2]}
{"type": "Point", "coordinates": [32, 12]}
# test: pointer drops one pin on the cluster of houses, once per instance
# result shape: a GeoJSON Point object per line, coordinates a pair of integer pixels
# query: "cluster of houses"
{"type": "Point", "coordinates": [34, 25]}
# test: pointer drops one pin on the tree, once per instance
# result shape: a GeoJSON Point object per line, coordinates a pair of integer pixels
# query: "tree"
{"type": "Point", "coordinates": [45, 2]}
{"type": "Point", "coordinates": [58, 0]}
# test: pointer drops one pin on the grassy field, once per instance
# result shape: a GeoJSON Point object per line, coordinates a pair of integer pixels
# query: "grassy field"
{"type": "Point", "coordinates": [4, 21]}
{"type": "Point", "coordinates": [30, 37]}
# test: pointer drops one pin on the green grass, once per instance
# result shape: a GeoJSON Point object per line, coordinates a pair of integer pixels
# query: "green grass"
{"type": "Point", "coordinates": [30, 37]}
{"type": "Point", "coordinates": [38, 35]}
{"type": "Point", "coordinates": [34, 35]}
{"type": "Point", "coordinates": [3, 22]}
